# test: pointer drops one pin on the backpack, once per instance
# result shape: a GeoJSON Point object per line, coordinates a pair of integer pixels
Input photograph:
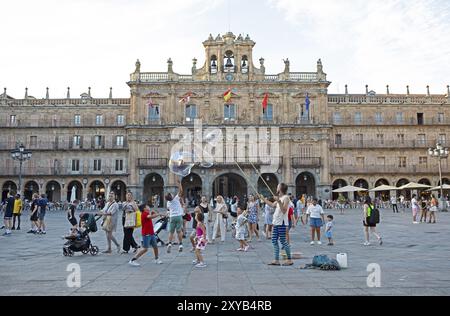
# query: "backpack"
{"type": "Point", "coordinates": [374, 217]}
{"type": "Point", "coordinates": [323, 262]}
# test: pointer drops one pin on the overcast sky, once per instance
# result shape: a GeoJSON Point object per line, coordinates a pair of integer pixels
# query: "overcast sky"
{"type": "Point", "coordinates": [82, 43]}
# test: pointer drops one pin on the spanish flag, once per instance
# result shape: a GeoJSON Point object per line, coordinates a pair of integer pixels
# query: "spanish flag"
{"type": "Point", "coordinates": [227, 95]}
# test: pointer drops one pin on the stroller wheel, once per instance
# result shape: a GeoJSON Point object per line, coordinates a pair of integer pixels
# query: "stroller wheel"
{"type": "Point", "coordinates": [70, 253]}
{"type": "Point", "coordinates": [65, 252]}
{"type": "Point", "coordinates": [94, 250]}
{"type": "Point", "coordinates": [85, 251]}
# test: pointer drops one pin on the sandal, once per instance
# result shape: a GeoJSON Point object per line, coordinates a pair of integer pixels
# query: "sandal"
{"type": "Point", "coordinates": [275, 264]}
{"type": "Point", "coordinates": [288, 264]}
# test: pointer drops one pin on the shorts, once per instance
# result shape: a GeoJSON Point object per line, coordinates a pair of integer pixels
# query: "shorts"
{"type": "Point", "coordinates": [176, 224]}
{"type": "Point", "coordinates": [329, 235]}
{"type": "Point", "coordinates": [316, 222]}
{"type": "Point", "coordinates": [41, 215]}
{"type": "Point", "coordinates": [149, 240]}
{"type": "Point", "coordinates": [433, 209]}
{"type": "Point", "coordinates": [73, 221]}
{"type": "Point", "coordinates": [368, 224]}
{"type": "Point", "coordinates": [8, 217]}
{"type": "Point", "coordinates": [34, 217]}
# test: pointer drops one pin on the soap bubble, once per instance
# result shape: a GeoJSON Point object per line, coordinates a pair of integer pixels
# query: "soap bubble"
{"type": "Point", "coordinates": [181, 163]}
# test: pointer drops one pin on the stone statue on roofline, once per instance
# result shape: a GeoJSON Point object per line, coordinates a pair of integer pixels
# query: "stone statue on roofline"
{"type": "Point", "coordinates": [138, 67]}
{"type": "Point", "coordinates": [287, 65]}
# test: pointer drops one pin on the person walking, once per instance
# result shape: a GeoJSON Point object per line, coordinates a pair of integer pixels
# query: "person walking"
{"type": "Point", "coordinates": [34, 214]}
{"type": "Point", "coordinates": [206, 210]}
{"type": "Point", "coordinates": [221, 212]}
{"type": "Point", "coordinates": [201, 241]}
{"type": "Point", "coordinates": [129, 222]}
{"type": "Point", "coordinates": [268, 218]}
{"type": "Point", "coordinates": [17, 213]}
{"type": "Point", "coordinates": [369, 226]}
{"type": "Point", "coordinates": [43, 205]}
{"type": "Point", "coordinates": [280, 223]}
{"type": "Point", "coordinates": [148, 235]}
{"type": "Point", "coordinates": [110, 215]}
{"type": "Point", "coordinates": [9, 210]}
{"type": "Point", "coordinates": [253, 216]}
{"type": "Point", "coordinates": [316, 214]}
{"type": "Point", "coordinates": [394, 204]}
{"type": "Point", "coordinates": [433, 209]}
{"type": "Point", "coordinates": [71, 214]}
{"type": "Point", "coordinates": [415, 208]}
{"type": "Point", "coordinates": [176, 213]}
{"type": "Point", "coordinates": [241, 228]}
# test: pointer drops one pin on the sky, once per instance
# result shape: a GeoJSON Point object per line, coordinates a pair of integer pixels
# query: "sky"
{"type": "Point", "coordinates": [95, 43]}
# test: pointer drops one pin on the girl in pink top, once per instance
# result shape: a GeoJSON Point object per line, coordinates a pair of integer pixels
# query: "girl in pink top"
{"type": "Point", "coordinates": [200, 239]}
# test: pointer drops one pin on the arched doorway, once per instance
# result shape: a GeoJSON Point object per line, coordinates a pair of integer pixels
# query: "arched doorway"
{"type": "Point", "coordinates": [383, 195]}
{"type": "Point", "coordinates": [192, 186]}
{"type": "Point", "coordinates": [271, 181]}
{"type": "Point", "coordinates": [363, 184]}
{"type": "Point", "coordinates": [120, 189]}
{"type": "Point", "coordinates": [8, 186]}
{"type": "Point", "coordinates": [230, 185]}
{"type": "Point", "coordinates": [405, 193]}
{"type": "Point", "coordinates": [154, 188]}
{"type": "Point", "coordinates": [424, 193]}
{"type": "Point", "coordinates": [74, 185]}
{"type": "Point", "coordinates": [337, 185]}
{"type": "Point", "coordinates": [53, 191]}
{"type": "Point", "coordinates": [30, 188]}
{"type": "Point", "coordinates": [96, 190]}
{"type": "Point", "coordinates": [305, 185]}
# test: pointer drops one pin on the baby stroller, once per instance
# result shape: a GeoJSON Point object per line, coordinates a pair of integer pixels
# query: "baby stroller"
{"type": "Point", "coordinates": [80, 242]}
{"type": "Point", "coordinates": [160, 226]}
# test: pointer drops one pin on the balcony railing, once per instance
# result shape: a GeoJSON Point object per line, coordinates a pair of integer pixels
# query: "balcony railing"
{"type": "Point", "coordinates": [87, 101]}
{"type": "Point", "coordinates": [351, 121]}
{"type": "Point", "coordinates": [59, 171]}
{"type": "Point", "coordinates": [386, 169]}
{"type": "Point", "coordinates": [387, 143]}
{"type": "Point", "coordinates": [58, 123]}
{"type": "Point", "coordinates": [248, 161]}
{"type": "Point", "coordinates": [387, 99]}
{"type": "Point", "coordinates": [300, 162]}
{"type": "Point", "coordinates": [150, 163]}
{"type": "Point", "coordinates": [63, 145]}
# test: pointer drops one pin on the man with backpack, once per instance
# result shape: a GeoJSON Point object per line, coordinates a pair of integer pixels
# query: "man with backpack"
{"type": "Point", "coordinates": [370, 220]}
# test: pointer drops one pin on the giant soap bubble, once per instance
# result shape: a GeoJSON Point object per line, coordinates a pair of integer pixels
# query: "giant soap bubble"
{"type": "Point", "coordinates": [181, 163]}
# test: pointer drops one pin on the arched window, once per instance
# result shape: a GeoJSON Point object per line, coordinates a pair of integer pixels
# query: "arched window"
{"type": "Point", "coordinates": [213, 65]}
{"type": "Point", "coordinates": [229, 62]}
{"type": "Point", "coordinates": [244, 64]}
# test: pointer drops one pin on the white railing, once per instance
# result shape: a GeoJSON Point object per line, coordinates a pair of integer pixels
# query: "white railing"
{"type": "Point", "coordinates": [387, 99]}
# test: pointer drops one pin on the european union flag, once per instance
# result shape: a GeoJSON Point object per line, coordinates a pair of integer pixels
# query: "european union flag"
{"type": "Point", "coordinates": [307, 103]}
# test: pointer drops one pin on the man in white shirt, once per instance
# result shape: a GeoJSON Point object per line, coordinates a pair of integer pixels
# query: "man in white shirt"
{"type": "Point", "coordinates": [394, 204]}
{"type": "Point", "coordinates": [316, 213]}
{"type": "Point", "coordinates": [175, 213]}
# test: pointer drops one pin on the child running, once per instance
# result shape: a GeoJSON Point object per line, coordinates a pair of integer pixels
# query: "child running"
{"type": "Point", "coordinates": [241, 227]}
{"type": "Point", "coordinates": [200, 240]}
{"type": "Point", "coordinates": [148, 235]}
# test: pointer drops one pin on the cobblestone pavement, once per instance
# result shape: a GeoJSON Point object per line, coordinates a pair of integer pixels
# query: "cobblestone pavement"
{"type": "Point", "coordinates": [414, 260]}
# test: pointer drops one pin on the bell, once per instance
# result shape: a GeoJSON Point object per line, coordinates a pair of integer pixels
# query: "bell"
{"type": "Point", "coordinates": [244, 64]}
{"type": "Point", "coordinates": [229, 64]}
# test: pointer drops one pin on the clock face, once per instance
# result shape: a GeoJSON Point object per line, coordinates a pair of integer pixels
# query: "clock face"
{"type": "Point", "coordinates": [229, 77]}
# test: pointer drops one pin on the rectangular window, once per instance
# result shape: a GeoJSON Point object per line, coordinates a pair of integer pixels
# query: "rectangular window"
{"type": "Point", "coordinates": [13, 120]}
{"type": "Point", "coordinates": [98, 141]}
{"type": "Point", "coordinates": [441, 118]}
{"type": "Point", "coordinates": [380, 139]}
{"type": "Point", "coordinates": [268, 113]}
{"type": "Point", "coordinates": [423, 161]}
{"type": "Point", "coordinates": [358, 118]}
{"type": "Point", "coordinates": [75, 165]}
{"type": "Point", "coordinates": [153, 113]}
{"type": "Point", "coordinates": [399, 117]}
{"type": "Point", "coordinates": [119, 165]}
{"type": "Point", "coordinates": [97, 165]}
{"type": "Point", "coordinates": [420, 119]}
{"type": "Point", "coordinates": [421, 139]}
{"type": "Point", "coordinates": [360, 161]}
{"type": "Point", "coordinates": [359, 139]}
{"type": "Point", "coordinates": [401, 138]}
{"type": "Point", "coordinates": [99, 120]}
{"type": "Point", "coordinates": [191, 113]}
{"type": "Point", "coordinates": [120, 141]}
{"type": "Point", "coordinates": [381, 161]}
{"type": "Point", "coordinates": [337, 118]}
{"type": "Point", "coordinates": [339, 161]}
{"type": "Point", "coordinates": [442, 139]}
{"type": "Point", "coordinates": [378, 118]}
{"type": "Point", "coordinates": [153, 152]}
{"type": "Point", "coordinates": [402, 162]}
{"type": "Point", "coordinates": [230, 112]}
{"type": "Point", "coordinates": [120, 119]}
{"type": "Point", "coordinates": [77, 141]}
{"type": "Point", "coordinates": [33, 141]}
{"type": "Point", "coordinates": [77, 120]}
{"type": "Point", "coordinates": [338, 139]}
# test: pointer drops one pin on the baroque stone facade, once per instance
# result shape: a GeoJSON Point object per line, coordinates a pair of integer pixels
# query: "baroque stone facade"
{"type": "Point", "coordinates": [124, 144]}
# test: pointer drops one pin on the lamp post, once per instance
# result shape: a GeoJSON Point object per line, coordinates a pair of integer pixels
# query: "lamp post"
{"type": "Point", "coordinates": [440, 153]}
{"type": "Point", "coordinates": [21, 155]}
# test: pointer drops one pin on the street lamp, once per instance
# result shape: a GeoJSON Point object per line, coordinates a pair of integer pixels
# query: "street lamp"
{"type": "Point", "coordinates": [440, 153]}
{"type": "Point", "coordinates": [21, 155]}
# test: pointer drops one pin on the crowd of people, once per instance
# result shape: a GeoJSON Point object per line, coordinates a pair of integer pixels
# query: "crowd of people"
{"type": "Point", "coordinates": [214, 219]}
